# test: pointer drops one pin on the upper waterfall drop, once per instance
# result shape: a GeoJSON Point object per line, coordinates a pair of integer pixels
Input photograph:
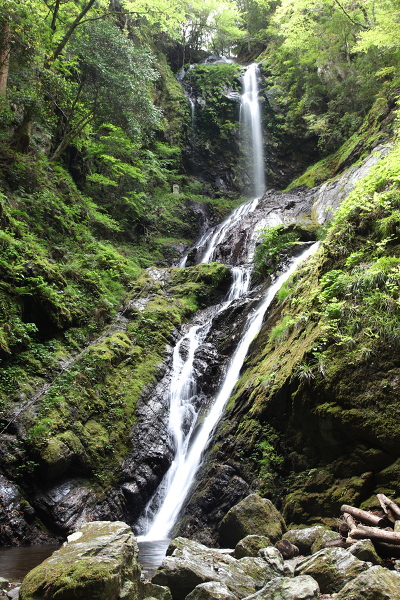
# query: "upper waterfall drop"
{"type": "Point", "coordinates": [251, 131]}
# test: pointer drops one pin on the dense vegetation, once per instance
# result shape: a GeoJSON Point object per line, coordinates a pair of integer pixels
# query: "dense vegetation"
{"type": "Point", "coordinates": [94, 132]}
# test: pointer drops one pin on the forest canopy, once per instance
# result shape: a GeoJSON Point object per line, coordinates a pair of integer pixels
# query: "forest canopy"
{"type": "Point", "coordinates": [73, 69]}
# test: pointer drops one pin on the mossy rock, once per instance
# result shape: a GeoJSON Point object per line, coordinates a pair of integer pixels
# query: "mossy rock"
{"type": "Point", "coordinates": [252, 516]}
{"type": "Point", "coordinates": [99, 564]}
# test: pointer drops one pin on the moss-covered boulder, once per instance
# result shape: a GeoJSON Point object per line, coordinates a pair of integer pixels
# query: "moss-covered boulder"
{"type": "Point", "coordinates": [332, 568]}
{"type": "Point", "coordinates": [189, 564]}
{"type": "Point", "coordinates": [100, 564]}
{"type": "Point", "coordinates": [253, 515]}
{"type": "Point", "coordinates": [377, 583]}
{"type": "Point", "coordinates": [365, 550]}
{"type": "Point", "coordinates": [284, 588]}
{"type": "Point", "coordinates": [260, 570]}
{"type": "Point", "coordinates": [250, 545]}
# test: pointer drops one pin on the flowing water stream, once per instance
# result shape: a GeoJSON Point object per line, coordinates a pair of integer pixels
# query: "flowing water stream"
{"type": "Point", "coordinates": [251, 130]}
{"type": "Point", "coordinates": [191, 439]}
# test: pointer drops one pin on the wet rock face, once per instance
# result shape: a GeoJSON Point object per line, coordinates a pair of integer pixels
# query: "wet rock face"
{"type": "Point", "coordinates": [101, 564]}
{"type": "Point", "coordinates": [70, 504]}
{"type": "Point", "coordinates": [272, 209]}
{"type": "Point", "coordinates": [212, 497]}
{"type": "Point", "coordinates": [18, 524]}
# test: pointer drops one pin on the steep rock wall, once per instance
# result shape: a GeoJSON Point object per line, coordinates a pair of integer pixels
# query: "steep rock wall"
{"type": "Point", "coordinates": [312, 422]}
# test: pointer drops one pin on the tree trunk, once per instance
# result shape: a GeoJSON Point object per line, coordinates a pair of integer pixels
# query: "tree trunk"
{"type": "Point", "coordinates": [5, 50]}
{"type": "Point", "coordinates": [72, 28]}
{"type": "Point", "coordinates": [389, 505]}
{"type": "Point", "coordinates": [363, 516]}
{"type": "Point", "coordinates": [379, 535]}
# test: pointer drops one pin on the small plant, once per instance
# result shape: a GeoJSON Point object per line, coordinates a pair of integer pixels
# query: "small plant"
{"type": "Point", "coordinates": [275, 240]}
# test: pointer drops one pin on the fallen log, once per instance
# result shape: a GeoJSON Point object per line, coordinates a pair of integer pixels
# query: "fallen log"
{"type": "Point", "coordinates": [349, 521]}
{"type": "Point", "coordinates": [380, 535]}
{"type": "Point", "coordinates": [389, 505]}
{"type": "Point", "coordinates": [364, 516]}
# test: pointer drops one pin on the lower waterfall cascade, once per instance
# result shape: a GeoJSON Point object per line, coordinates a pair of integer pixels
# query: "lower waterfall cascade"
{"type": "Point", "coordinates": [190, 439]}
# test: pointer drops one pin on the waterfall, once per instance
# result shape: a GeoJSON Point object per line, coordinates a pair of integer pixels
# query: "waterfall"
{"type": "Point", "coordinates": [251, 131]}
{"type": "Point", "coordinates": [191, 438]}
{"type": "Point", "coordinates": [179, 478]}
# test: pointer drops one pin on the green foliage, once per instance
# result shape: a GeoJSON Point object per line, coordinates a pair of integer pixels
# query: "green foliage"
{"type": "Point", "coordinates": [282, 330]}
{"type": "Point", "coordinates": [274, 241]}
{"type": "Point", "coordinates": [321, 78]}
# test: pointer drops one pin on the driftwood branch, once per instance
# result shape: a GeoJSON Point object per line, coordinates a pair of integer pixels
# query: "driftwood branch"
{"type": "Point", "coordinates": [389, 505]}
{"type": "Point", "coordinates": [373, 533]}
{"type": "Point", "coordinates": [350, 521]}
{"type": "Point", "coordinates": [362, 515]}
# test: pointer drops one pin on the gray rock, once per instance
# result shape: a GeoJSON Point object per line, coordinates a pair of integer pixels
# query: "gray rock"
{"type": "Point", "coordinates": [377, 583]}
{"type": "Point", "coordinates": [274, 559]}
{"type": "Point", "coordinates": [3, 582]}
{"type": "Point", "coordinates": [212, 590]}
{"type": "Point", "coordinates": [100, 565]}
{"type": "Point", "coordinates": [365, 550]}
{"type": "Point", "coordinates": [188, 564]}
{"type": "Point", "coordinates": [13, 594]}
{"type": "Point", "coordinates": [321, 540]}
{"type": "Point", "coordinates": [304, 538]}
{"type": "Point", "coordinates": [252, 516]}
{"type": "Point", "coordinates": [151, 590]}
{"type": "Point", "coordinates": [258, 569]}
{"type": "Point", "coordinates": [332, 193]}
{"type": "Point", "coordinates": [332, 568]}
{"type": "Point", "coordinates": [14, 528]}
{"type": "Point", "coordinates": [71, 504]}
{"type": "Point", "coordinates": [250, 545]}
{"type": "Point", "coordinates": [283, 588]}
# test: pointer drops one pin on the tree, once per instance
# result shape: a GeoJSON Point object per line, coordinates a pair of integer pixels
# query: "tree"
{"type": "Point", "coordinates": [108, 75]}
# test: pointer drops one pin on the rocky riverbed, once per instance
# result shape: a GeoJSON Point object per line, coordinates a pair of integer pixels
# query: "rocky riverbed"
{"type": "Point", "coordinates": [267, 562]}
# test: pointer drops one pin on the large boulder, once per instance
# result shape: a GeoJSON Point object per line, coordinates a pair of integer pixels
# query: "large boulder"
{"type": "Point", "coordinates": [332, 568]}
{"type": "Point", "coordinates": [284, 588]}
{"type": "Point", "coordinates": [377, 583]}
{"type": "Point", "coordinates": [274, 560]}
{"type": "Point", "coordinates": [252, 516]}
{"type": "Point", "coordinates": [100, 563]}
{"type": "Point", "coordinates": [212, 590]}
{"type": "Point", "coordinates": [250, 545]}
{"type": "Point", "coordinates": [189, 564]}
{"type": "Point", "coordinates": [304, 538]}
{"type": "Point", "coordinates": [365, 550]}
{"type": "Point", "coordinates": [323, 540]}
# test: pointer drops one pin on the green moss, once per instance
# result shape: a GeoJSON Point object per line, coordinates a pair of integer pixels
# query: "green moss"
{"type": "Point", "coordinates": [371, 133]}
{"type": "Point", "coordinates": [85, 417]}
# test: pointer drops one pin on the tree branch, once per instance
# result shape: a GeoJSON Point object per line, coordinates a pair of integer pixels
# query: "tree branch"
{"type": "Point", "coordinates": [72, 28]}
{"type": "Point", "coordinates": [349, 17]}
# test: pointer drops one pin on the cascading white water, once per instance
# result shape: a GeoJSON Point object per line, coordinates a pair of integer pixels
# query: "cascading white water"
{"type": "Point", "coordinates": [187, 461]}
{"type": "Point", "coordinates": [251, 130]}
{"type": "Point", "coordinates": [189, 448]}
{"type": "Point", "coordinates": [183, 415]}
